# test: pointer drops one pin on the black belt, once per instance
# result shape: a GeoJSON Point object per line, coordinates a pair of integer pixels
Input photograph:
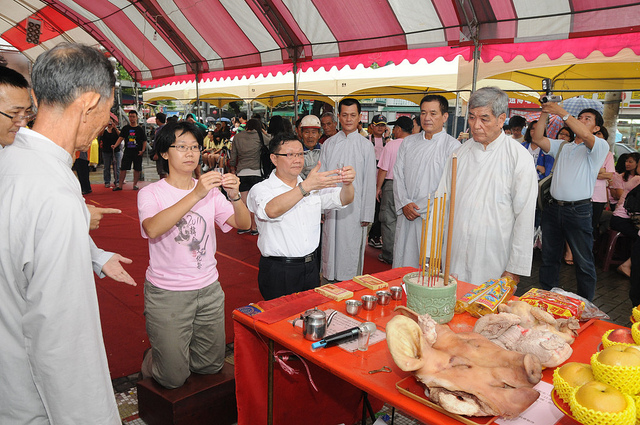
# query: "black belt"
{"type": "Point", "coordinates": [306, 259]}
{"type": "Point", "coordinates": [388, 180]}
{"type": "Point", "coordinates": [570, 203]}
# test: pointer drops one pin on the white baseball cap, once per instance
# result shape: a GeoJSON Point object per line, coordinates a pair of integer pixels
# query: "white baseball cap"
{"type": "Point", "coordinates": [310, 121]}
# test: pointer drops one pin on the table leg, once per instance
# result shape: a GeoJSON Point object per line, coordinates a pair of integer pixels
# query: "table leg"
{"type": "Point", "coordinates": [366, 405]}
{"type": "Point", "coordinates": [270, 384]}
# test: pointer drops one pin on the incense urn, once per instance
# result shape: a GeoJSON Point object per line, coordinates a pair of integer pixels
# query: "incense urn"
{"type": "Point", "coordinates": [437, 301]}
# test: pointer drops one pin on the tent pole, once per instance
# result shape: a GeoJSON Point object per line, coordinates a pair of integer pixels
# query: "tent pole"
{"type": "Point", "coordinates": [455, 121]}
{"type": "Point", "coordinates": [295, 85]}
{"type": "Point", "coordinates": [197, 96]}
{"type": "Point", "coordinates": [476, 60]}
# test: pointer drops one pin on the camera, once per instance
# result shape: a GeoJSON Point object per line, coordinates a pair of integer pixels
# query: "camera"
{"type": "Point", "coordinates": [547, 86]}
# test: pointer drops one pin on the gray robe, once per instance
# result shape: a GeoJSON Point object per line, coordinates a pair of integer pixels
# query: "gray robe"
{"type": "Point", "coordinates": [343, 239]}
{"type": "Point", "coordinates": [416, 174]}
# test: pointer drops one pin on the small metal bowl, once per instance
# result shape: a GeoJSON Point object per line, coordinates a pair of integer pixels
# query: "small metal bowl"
{"type": "Point", "coordinates": [353, 307]}
{"type": "Point", "coordinates": [369, 302]}
{"type": "Point", "coordinates": [396, 292]}
{"type": "Point", "coordinates": [384, 297]}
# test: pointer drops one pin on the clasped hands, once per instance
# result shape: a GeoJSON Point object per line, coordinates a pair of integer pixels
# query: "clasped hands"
{"type": "Point", "coordinates": [207, 181]}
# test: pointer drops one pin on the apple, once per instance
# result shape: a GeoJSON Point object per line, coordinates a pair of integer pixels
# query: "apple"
{"type": "Point", "coordinates": [622, 335]}
{"type": "Point", "coordinates": [601, 397]}
{"type": "Point", "coordinates": [620, 355]}
{"type": "Point", "coordinates": [576, 374]}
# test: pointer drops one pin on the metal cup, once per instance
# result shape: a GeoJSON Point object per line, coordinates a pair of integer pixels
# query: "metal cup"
{"type": "Point", "coordinates": [369, 302]}
{"type": "Point", "coordinates": [384, 297]}
{"type": "Point", "coordinates": [353, 307]}
{"type": "Point", "coordinates": [396, 292]}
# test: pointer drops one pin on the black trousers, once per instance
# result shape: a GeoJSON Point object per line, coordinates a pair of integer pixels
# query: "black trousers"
{"type": "Point", "coordinates": [277, 278]}
{"type": "Point", "coordinates": [82, 169]}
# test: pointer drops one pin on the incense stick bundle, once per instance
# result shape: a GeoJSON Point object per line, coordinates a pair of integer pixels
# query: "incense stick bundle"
{"type": "Point", "coordinates": [452, 205]}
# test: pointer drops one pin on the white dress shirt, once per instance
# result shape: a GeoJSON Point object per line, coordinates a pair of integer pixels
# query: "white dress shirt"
{"type": "Point", "coordinates": [295, 233]}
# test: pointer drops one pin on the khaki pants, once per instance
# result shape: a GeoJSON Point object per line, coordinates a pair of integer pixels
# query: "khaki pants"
{"type": "Point", "coordinates": [186, 331]}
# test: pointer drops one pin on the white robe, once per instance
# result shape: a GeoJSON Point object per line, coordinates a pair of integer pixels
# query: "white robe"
{"type": "Point", "coordinates": [53, 362]}
{"type": "Point", "coordinates": [496, 194]}
{"type": "Point", "coordinates": [416, 174]}
{"type": "Point", "coordinates": [343, 238]}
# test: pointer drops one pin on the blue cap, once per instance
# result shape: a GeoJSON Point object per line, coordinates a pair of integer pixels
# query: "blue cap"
{"type": "Point", "coordinates": [318, 344]}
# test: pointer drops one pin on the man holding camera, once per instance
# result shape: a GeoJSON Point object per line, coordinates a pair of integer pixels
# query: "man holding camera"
{"type": "Point", "coordinates": [568, 215]}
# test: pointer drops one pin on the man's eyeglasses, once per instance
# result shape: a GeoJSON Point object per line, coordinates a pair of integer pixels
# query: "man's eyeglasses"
{"type": "Point", "coordinates": [184, 148]}
{"type": "Point", "coordinates": [291, 155]}
{"type": "Point", "coordinates": [18, 118]}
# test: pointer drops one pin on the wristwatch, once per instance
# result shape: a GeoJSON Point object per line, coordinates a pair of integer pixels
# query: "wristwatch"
{"type": "Point", "coordinates": [566, 117]}
{"type": "Point", "coordinates": [304, 192]}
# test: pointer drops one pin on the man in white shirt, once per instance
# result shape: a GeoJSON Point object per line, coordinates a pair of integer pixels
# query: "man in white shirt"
{"type": "Point", "coordinates": [310, 134]}
{"type": "Point", "coordinates": [417, 172]}
{"type": "Point", "coordinates": [49, 318]}
{"type": "Point", "coordinates": [496, 194]}
{"type": "Point", "coordinates": [288, 213]}
{"type": "Point", "coordinates": [344, 233]}
{"type": "Point", "coordinates": [15, 104]}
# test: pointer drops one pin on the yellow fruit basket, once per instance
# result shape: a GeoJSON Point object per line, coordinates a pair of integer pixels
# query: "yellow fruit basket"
{"type": "Point", "coordinates": [606, 342]}
{"type": "Point", "coordinates": [562, 387]}
{"type": "Point", "coordinates": [635, 314]}
{"type": "Point", "coordinates": [588, 416]}
{"type": "Point", "coordinates": [635, 332]}
{"type": "Point", "coordinates": [624, 378]}
{"type": "Point", "coordinates": [636, 399]}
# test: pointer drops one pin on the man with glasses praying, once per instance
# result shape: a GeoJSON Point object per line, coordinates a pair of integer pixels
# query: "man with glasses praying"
{"type": "Point", "coordinates": [15, 104]}
{"type": "Point", "coordinates": [285, 205]}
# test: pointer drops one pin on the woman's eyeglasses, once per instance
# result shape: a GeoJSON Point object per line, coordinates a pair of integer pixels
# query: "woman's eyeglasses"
{"type": "Point", "coordinates": [184, 148]}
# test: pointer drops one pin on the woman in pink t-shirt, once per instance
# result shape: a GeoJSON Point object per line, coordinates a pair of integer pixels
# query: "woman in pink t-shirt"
{"type": "Point", "coordinates": [184, 303]}
{"type": "Point", "coordinates": [620, 221]}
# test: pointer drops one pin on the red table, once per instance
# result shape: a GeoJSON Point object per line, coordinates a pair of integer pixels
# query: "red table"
{"type": "Point", "coordinates": [339, 370]}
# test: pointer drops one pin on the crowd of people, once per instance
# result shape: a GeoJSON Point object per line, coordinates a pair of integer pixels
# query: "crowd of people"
{"type": "Point", "coordinates": [313, 193]}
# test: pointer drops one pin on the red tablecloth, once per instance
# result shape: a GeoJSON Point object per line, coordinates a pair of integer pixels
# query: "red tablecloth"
{"type": "Point", "coordinates": [341, 375]}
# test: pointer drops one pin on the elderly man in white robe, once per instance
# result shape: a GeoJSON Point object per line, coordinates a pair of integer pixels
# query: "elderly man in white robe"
{"type": "Point", "coordinates": [496, 194]}
{"type": "Point", "coordinates": [344, 234]}
{"type": "Point", "coordinates": [417, 172]}
{"type": "Point", "coordinates": [53, 360]}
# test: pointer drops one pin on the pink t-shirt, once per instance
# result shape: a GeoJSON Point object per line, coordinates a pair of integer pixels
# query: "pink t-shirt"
{"type": "Point", "coordinates": [620, 211]}
{"type": "Point", "coordinates": [600, 190]}
{"type": "Point", "coordinates": [183, 258]}
{"type": "Point", "coordinates": [388, 157]}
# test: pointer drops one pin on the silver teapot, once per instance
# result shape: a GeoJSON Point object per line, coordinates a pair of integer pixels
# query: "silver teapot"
{"type": "Point", "coordinates": [314, 323]}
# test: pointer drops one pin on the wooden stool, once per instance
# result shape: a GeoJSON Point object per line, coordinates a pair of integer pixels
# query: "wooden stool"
{"type": "Point", "coordinates": [203, 399]}
{"type": "Point", "coordinates": [610, 248]}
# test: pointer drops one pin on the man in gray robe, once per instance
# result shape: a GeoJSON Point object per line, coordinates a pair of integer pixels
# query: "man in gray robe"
{"type": "Point", "coordinates": [53, 360]}
{"type": "Point", "coordinates": [417, 172]}
{"type": "Point", "coordinates": [344, 234]}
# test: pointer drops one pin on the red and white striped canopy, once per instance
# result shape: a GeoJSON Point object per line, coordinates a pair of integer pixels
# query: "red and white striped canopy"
{"type": "Point", "coordinates": [162, 39]}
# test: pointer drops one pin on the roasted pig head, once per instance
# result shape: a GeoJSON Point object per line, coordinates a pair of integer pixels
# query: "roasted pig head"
{"type": "Point", "coordinates": [464, 373]}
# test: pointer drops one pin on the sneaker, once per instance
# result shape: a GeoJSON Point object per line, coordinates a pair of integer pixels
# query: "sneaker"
{"type": "Point", "coordinates": [107, 185]}
{"type": "Point", "coordinates": [375, 243]}
{"type": "Point", "coordinates": [244, 232]}
{"type": "Point", "coordinates": [116, 188]}
{"type": "Point", "coordinates": [255, 232]}
{"type": "Point", "coordinates": [384, 260]}
{"type": "Point", "coordinates": [135, 188]}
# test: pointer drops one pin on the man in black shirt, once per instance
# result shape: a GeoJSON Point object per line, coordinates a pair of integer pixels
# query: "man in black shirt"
{"type": "Point", "coordinates": [135, 143]}
{"type": "Point", "coordinates": [111, 154]}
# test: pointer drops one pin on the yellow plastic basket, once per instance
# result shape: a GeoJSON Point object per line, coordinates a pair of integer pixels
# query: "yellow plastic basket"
{"type": "Point", "coordinates": [606, 342]}
{"type": "Point", "coordinates": [635, 332]}
{"type": "Point", "coordinates": [636, 314]}
{"type": "Point", "coordinates": [588, 416]}
{"type": "Point", "coordinates": [636, 399]}
{"type": "Point", "coordinates": [562, 387]}
{"type": "Point", "coordinates": [624, 378]}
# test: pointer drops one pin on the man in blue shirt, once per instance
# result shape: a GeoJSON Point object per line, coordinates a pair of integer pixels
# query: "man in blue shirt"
{"type": "Point", "coordinates": [568, 216]}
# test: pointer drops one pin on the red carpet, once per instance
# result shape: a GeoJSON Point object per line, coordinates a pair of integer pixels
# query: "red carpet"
{"type": "Point", "coordinates": [122, 306]}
